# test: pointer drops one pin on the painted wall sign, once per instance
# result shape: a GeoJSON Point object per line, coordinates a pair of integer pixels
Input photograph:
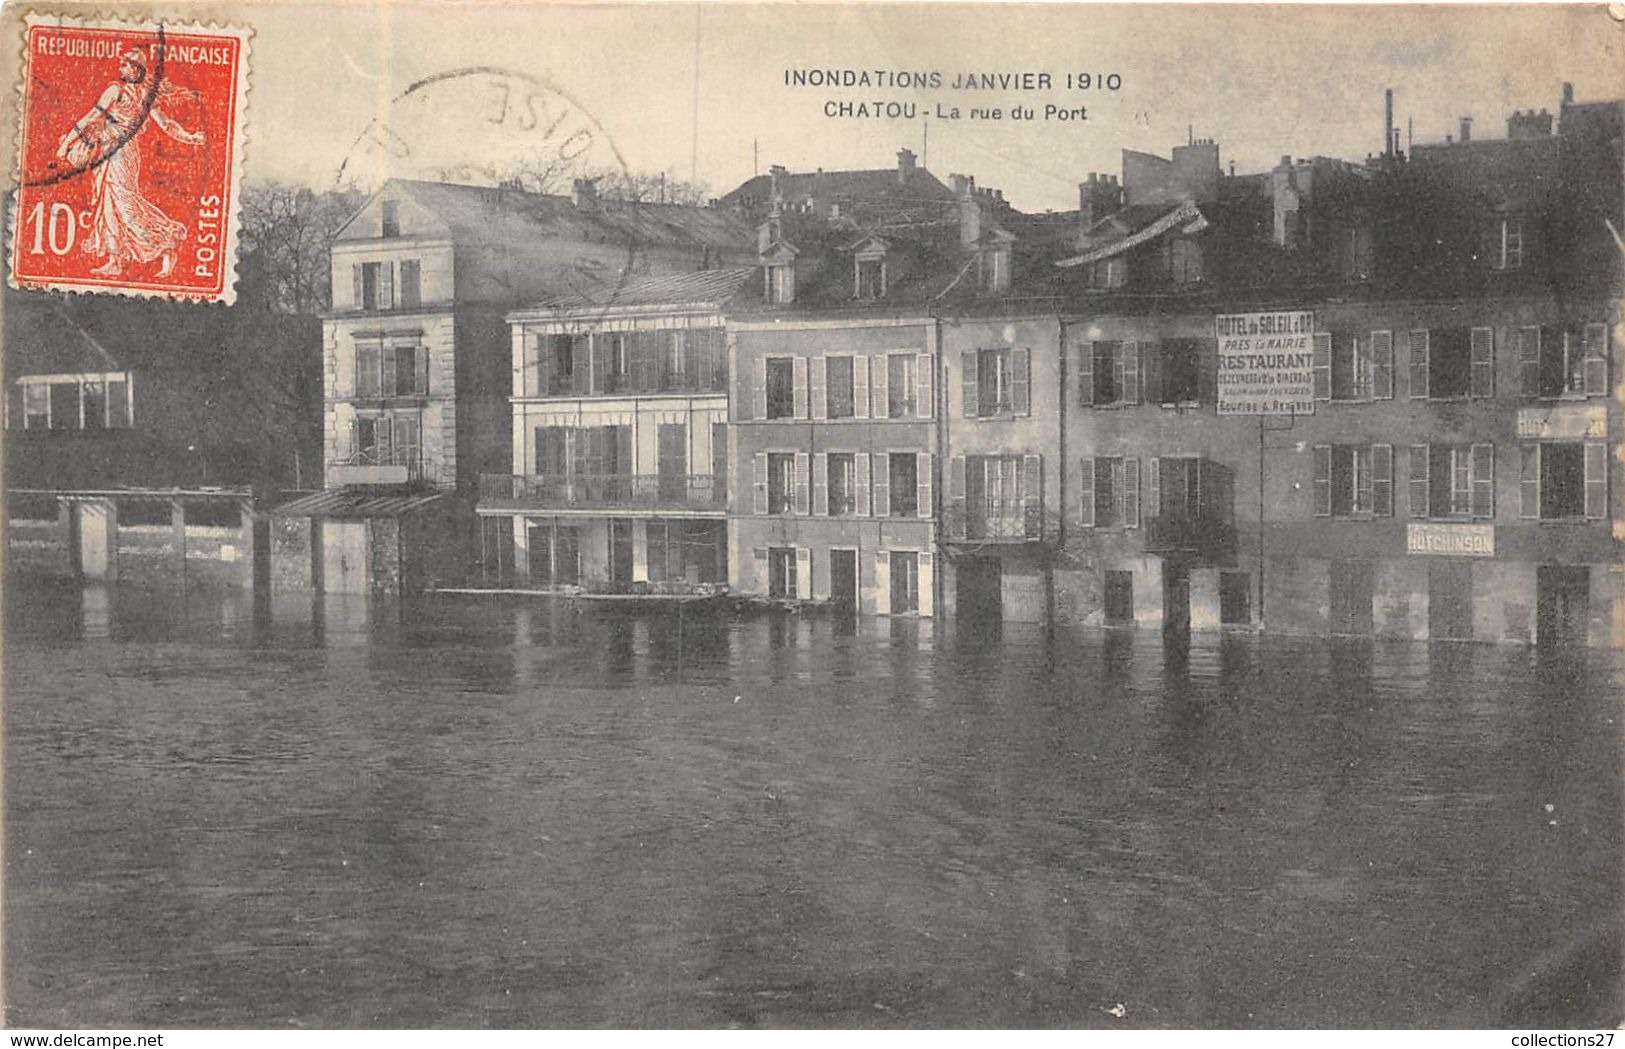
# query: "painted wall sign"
{"type": "Point", "coordinates": [1450, 540]}
{"type": "Point", "coordinates": [1266, 363]}
{"type": "Point", "coordinates": [1563, 422]}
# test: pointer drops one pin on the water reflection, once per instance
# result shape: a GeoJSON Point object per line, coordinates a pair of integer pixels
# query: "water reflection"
{"type": "Point", "coordinates": [494, 812]}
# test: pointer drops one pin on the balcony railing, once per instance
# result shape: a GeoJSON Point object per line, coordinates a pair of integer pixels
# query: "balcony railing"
{"type": "Point", "coordinates": [603, 492]}
{"type": "Point", "coordinates": [1015, 524]}
{"type": "Point", "coordinates": [383, 468]}
{"type": "Point", "coordinates": [1205, 536]}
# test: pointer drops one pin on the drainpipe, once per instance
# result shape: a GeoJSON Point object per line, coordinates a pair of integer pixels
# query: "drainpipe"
{"type": "Point", "coordinates": [1060, 472]}
{"type": "Point", "coordinates": [939, 471]}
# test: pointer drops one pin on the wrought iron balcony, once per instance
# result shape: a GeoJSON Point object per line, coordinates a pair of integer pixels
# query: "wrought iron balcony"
{"type": "Point", "coordinates": [1204, 536]}
{"type": "Point", "coordinates": [371, 467]}
{"type": "Point", "coordinates": [977, 524]}
{"type": "Point", "coordinates": [651, 492]}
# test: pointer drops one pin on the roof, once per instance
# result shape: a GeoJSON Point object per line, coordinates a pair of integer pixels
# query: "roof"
{"type": "Point", "coordinates": [353, 502]}
{"type": "Point", "coordinates": [1184, 218]}
{"type": "Point", "coordinates": [41, 338]}
{"type": "Point", "coordinates": [693, 288]}
{"type": "Point", "coordinates": [879, 186]}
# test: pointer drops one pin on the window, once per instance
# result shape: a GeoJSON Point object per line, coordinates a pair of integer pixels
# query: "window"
{"type": "Point", "coordinates": [614, 363]}
{"type": "Point", "coordinates": [1558, 361]}
{"type": "Point", "coordinates": [411, 284]}
{"type": "Point", "coordinates": [1353, 480]}
{"type": "Point", "coordinates": [781, 482]}
{"type": "Point", "coordinates": [1109, 492]}
{"type": "Point", "coordinates": [562, 353]}
{"type": "Point", "coordinates": [391, 214]}
{"type": "Point", "coordinates": [840, 402]}
{"type": "Point", "coordinates": [1109, 373]}
{"type": "Point", "coordinates": [842, 484]}
{"type": "Point", "coordinates": [871, 278]}
{"type": "Point", "coordinates": [674, 366]}
{"type": "Point", "coordinates": [1354, 366]}
{"type": "Point", "coordinates": [373, 289]}
{"type": "Point", "coordinates": [903, 478]}
{"type": "Point", "coordinates": [386, 440]}
{"type": "Point", "coordinates": [36, 406]}
{"type": "Point", "coordinates": [82, 402]}
{"type": "Point", "coordinates": [1109, 273]}
{"type": "Point", "coordinates": [781, 284]}
{"type": "Point", "coordinates": [1563, 480]}
{"type": "Point", "coordinates": [781, 572]}
{"type": "Point", "coordinates": [1452, 480]}
{"type": "Point", "coordinates": [1184, 262]}
{"type": "Point", "coordinates": [390, 370]}
{"type": "Point", "coordinates": [780, 388]}
{"type": "Point", "coordinates": [993, 382]}
{"type": "Point", "coordinates": [997, 382]}
{"type": "Point", "coordinates": [1351, 368]}
{"type": "Point", "coordinates": [1235, 598]}
{"type": "Point", "coordinates": [1353, 254]}
{"type": "Point", "coordinates": [65, 406]}
{"type": "Point", "coordinates": [93, 404]}
{"type": "Point", "coordinates": [1180, 371]}
{"type": "Point", "coordinates": [1452, 362]}
{"type": "Point", "coordinates": [1503, 242]}
{"type": "Point", "coordinates": [901, 386]}
{"type": "Point", "coordinates": [997, 497]}
{"type": "Point", "coordinates": [996, 269]}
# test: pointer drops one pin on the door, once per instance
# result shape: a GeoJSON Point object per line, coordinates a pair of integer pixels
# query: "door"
{"type": "Point", "coordinates": [1119, 597]}
{"type": "Point", "coordinates": [1351, 585]}
{"type": "Point", "coordinates": [566, 556]}
{"type": "Point", "coordinates": [672, 462]}
{"type": "Point", "coordinates": [620, 550]}
{"type": "Point", "coordinates": [345, 567]}
{"type": "Point", "coordinates": [1176, 599]}
{"type": "Point", "coordinates": [977, 590]}
{"type": "Point", "coordinates": [95, 539]}
{"type": "Point", "coordinates": [1562, 604]}
{"type": "Point", "coordinates": [1450, 601]}
{"type": "Point", "coordinates": [539, 540]}
{"type": "Point", "coordinates": [905, 582]}
{"type": "Point", "coordinates": [843, 579]}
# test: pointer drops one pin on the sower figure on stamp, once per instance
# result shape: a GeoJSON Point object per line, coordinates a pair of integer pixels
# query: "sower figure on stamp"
{"type": "Point", "coordinates": [126, 226]}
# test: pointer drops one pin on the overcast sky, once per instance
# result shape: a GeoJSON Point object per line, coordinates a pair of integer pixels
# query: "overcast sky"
{"type": "Point", "coordinates": [1262, 81]}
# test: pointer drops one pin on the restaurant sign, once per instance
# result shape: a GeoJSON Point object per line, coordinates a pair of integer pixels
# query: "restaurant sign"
{"type": "Point", "coordinates": [1266, 363]}
{"type": "Point", "coordinates": [1450, 540]}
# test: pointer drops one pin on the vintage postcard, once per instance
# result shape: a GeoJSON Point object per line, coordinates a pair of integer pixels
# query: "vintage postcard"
{"type": "Point", "coordinates": [767, 515]}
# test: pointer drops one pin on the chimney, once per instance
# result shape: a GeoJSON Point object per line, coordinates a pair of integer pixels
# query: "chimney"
{"type": "Point", "coordinates": [1388, 123]}
{"type": "Point", "coordinates": [1568, 93]}
{"type": "Point", "coordinates": [970, 211]}
{"type": "Point", "coordinates": [905, 164]}
{"type": "Point", "coordinates": [584, 193]}
{"type": "Point", "coordinates": [1466, 129]}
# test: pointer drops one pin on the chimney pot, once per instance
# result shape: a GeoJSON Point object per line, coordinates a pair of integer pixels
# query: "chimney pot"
{"type": "Point", "coordinates": [1466, 129]}
{"type": "Point", "coordinates": [584, 192]}
{"type": "Point", "coordinates": [1568, 93]}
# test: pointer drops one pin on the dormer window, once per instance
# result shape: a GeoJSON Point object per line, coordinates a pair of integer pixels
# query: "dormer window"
{"type": "Point", "coordinates": [780, 284]}
{"type": "Point", "coordinates": [996, 269]}
{"type": "Point", "coordinates": [1184, 262]}
{"type": "Point", "coordinates": [391, 218]}
{"type": "Point", "coordinates": [1503, 242]}
{"type": "Point", "coordinates": [870, 274]}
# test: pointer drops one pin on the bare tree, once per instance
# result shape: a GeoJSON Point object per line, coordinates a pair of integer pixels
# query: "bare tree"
{"type": "Point", "coordinates": [287, 231]}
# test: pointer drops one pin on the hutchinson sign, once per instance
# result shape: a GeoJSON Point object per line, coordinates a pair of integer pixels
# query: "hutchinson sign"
{"type": "Point", "coordinates": [1266, 363]}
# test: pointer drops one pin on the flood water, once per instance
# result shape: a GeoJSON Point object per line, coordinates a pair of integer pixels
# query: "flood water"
{"type": "Point", "coordinates": [472, 812]}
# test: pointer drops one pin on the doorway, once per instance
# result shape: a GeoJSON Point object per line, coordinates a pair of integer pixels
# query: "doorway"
{"type": "Point", "coordinates": [95, 528]}
{"type": "Point", "coordinates": [1176, 599]}
{"type": "Point", "coordinates": [978, 590]}
{"type": "Point", "coordinates": [344, 557]}
{"type": "Point", "coordinates": [843, 579]}
{"type": "Point", "coordinates": [1119, 598]}
{"type": "Point", "coordinates": [620, 550]}
{"type": "Point", "coordinates": [1450, 601]}
{"type": "Point", "coordinates": [1562, 604]}
{"type": "Point", "coordinates": [1351, 597]}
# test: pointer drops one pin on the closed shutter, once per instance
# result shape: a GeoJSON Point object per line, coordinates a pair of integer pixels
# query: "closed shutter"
{"type": "Point", "coordinates": [860, 387]}
{"type": "Point", "coordinates": [879, 377]}
{"type": "Point", "coordinates": [1021, 401]}
{"type": "Point", "coordinates": [804, 587]}
{"type": "Point", "coordinates": [1032, 495]}
{"type": "Point", "coordinates": [925, 386]}
{"type": "Point", "coordinates": [820, 484]}
{"type": "Point", "coordinates": [360, 287]}
{"type": "Point", "coordinates": [386, 286]}
{"type": "Point", "coordinates": [1086, 373]}
{"type": "Point", "coordinates": [1086, 494]}
{"type": "Point", "coordinates": [759, 484]}
{"type": "Point", "coordinates": [882, 582]}
{"type": "Point", "coordinates": [803, 477]}
{"type": "Point", "coordinates": [581, 364]}
{"type": "Point", "coordinates": [956, 497]}
{"type": "Point", "coordinates": [928, 582]}
{"type": "Point", "coordinates": [1596, 360]}
{"type": "Point", "coordinates": [759, 394]}
{"type": "Point", "coordinates": [1421, 480]}
{"type": "Point", "coordinates": [1130, 351]}
{"type": "Point", "coordinates": [1596, 494]}
{"type": "Point", "coordinates": [882, 484]}
{"type": "Point", "coordinates": [1323, 366]}
{"type": "Point", "coordinates": [531, 381]}
{"type": "Point", "coordinates": [1382, 480]}
{"type": "Point", "coordinates": [1483, 480]}
{"type": "Point", "coordinates": [1528, 361]}
{"type": "Point", "coordinates": [967, 384]}
{"type": "Point", "coordinates": [1153, 494]}
{"type": "Point", "coordinates": [1419, 364]}
{"type": "Point", "coordinates": [860, 483]}
{"type": "Point", "coordinates": [817, 397]}
{"type": "Point", "coordinates": [798, 372]}
{"type": "Point", "coordinates": [1151, 369]}
{"type": "Point", "coordinates": [1382, 365]}
{"type": "Point", "coordinates": [922, 486]}
{"type": "Point", "coordinates": [1131, 491]}
{"type": "Point", "coordinates": [1529, 481]}
{"type": "Point", "coordinates": [820, 580]}
{"type": "Point", "coordinates": [1482, 351]}
{"type": "Point", "coordinates": [1323, 480]}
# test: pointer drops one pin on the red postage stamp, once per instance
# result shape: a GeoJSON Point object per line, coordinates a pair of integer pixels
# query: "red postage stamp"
{"type": "Point", "coordinates": [130, 157]}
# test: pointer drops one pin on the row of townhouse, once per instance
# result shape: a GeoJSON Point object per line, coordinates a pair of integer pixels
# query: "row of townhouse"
{"type": "Point", "coordinates": [872, 389]}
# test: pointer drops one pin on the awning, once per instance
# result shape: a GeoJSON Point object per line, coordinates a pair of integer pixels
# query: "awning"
{"type": "Point", "coordinates": [348, 502]}
{"type": "Point", "coordinates": [1187, 218]}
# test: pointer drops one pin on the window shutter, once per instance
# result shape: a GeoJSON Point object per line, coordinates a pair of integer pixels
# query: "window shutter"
{"type": "Point", "coordinates": [967, 384]}
{"type": "Point", "coordinates": [1483, 480]}
{"type": "Point", "coordinates": [798, 374]}
{"type": "Point", "coordinates": [1382, 365]}
{"type": "Point", "coordinates": [1382, 480]}
{"type": "Point", "coordinates": [1528, 361]}
{"type": "Point", "coordinates": [1086, 373]}
{"type": "Point", "coordinates": [1529, 481]}
{"type": "Point", "coordinates": [1419, 364]}
{"type": "Point", "coordinates": [1323, 365]}
{"type": "Point", "coordinates": [581, 364]}
{"type": "Point", "coordinates": [1131, 371]}
{"type": "Point", "coordinates": [759, 504]}
{"type": "Point", "coordinates": [1153, 494]}
{"type": "Point", "coordinates": [1131, 491]}
{"type": "Point", "coordinates": [882, 484]}
{"type": "Point", "coordinates": [803, 573]}
{"type": "Point", "coordinates": [1086, 494]}
{"type": "Point", "coordinates": [1421, 480]}
{"type": "Point", "coordinates": [1482, 352]}
{"type": "Point", "coordinates": [820, 484]}
{"type": "Point", "coordinates": [1596, 467]}
{"type": "Point", "coordinates": [820, 580]}
{"type": "Point", "coordinates": [759, 395]}
{"type": "Point", "coordinates": [1596, 360]}
{"type": "Point", "coordinates": [860, 387]}
{"type": "Point", "coordinates": [360, 288]}
{"type": "Point", "coordinates": [1151, 368]}
{"type": "Point", "coordinates": [1032, 495]}
{"type": "Point", "coordinates": [882, 582]}
{"type": "Point", "coordinates": [386, 285]}
{"type": "Point", "coordinates": [531, 378]}
{"type": "Point", "coordinates": [816, 397]}
{"type": "Point", "coordinates": [922, 486]}
{"type": "Point", "coordinates": [879, 377]}
{"type": "Point", "coordinates": [422, 353]}
{"type": "Point", "coordinates": [928, 580]}
{"type": "Point", "coordinates": [803, 472]}
{"type": "Point", "coordinates": [1021, 400]}
{"type": "Point", "coordinates": [956, 497]}
{"type": "Point", "coordinates": [925, 405]}
{"type": "Point", "coordinates": [1323, 480]}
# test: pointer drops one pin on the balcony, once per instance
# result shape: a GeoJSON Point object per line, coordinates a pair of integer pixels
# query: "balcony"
{"type": "Point", "coordinates": [1206, 537]}
{"type": "Point", "coordinates": [617, 492]}
{"type": "Point", "coordinates": [1017, 524]}
{"type": "Point", "coordinates": [374, 468]}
